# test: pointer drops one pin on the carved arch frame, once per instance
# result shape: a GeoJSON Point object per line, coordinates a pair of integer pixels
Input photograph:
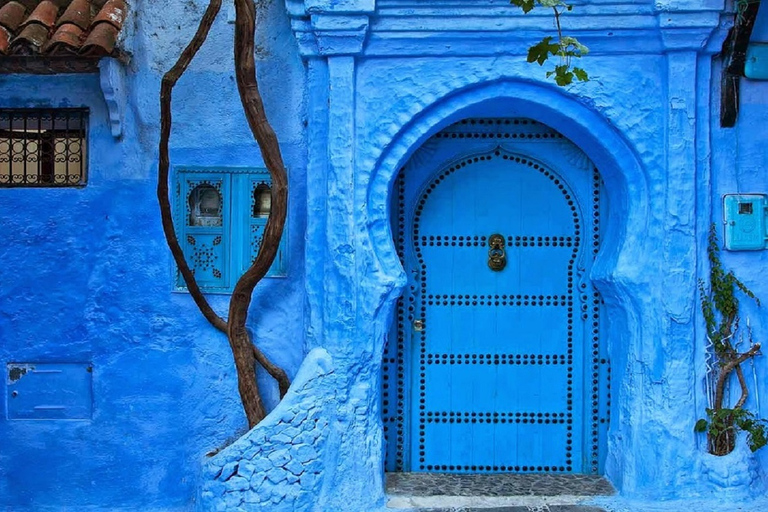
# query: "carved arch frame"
{"type": "Point", "coordinates": [626, 184]}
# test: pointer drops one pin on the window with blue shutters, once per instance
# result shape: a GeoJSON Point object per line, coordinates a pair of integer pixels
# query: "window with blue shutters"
{"type": "Point", "coordinates": [220, 217]}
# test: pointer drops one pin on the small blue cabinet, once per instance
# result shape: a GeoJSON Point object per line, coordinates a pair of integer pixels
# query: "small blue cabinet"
{"type": "Point", "coordinates": [220, 216]}
{"type": "Point", "coordinates": [756, 65]}
{"type": "Point", "coordinates": [745, 222]}
{"type": "Point", "coordinates": [49, 391]}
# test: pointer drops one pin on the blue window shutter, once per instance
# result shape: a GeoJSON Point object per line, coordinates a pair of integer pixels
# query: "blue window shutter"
{"type": "Point", "coordinates": [204, 216]}
{"type": "Point", "coordinates": [255, 219]}
{"type": "Point", "coordinates": [221, 242]}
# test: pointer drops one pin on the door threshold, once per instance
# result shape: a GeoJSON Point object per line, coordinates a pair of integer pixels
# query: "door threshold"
{"type": "Point", "coordinates": [503, 492]}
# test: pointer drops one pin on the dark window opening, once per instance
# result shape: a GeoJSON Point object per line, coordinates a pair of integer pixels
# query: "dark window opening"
{"type": "Point", "coordinates": [204, 206]}
{"type": "Point", "coordinates": [262, 200]}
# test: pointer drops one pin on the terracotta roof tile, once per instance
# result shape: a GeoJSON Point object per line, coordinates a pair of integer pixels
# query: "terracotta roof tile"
{"type": "Point", "coordinates": [86, 27]}
{"type": "Point", "coordinates": [30, 40]}
{"type": "Point", "coordinates": [114, 12]}
{"type": "Point", "coordinates": [78, 13]}
{"type": "Point", "coordinates": [11, 15]}
{"type": "Point", "coordinates": [45, 14]}
{"type": "Point", "coordinates": [68, 37]}
{"type": "Point", "coordinates": [101, 40]}
{"type": "Point", "coordinates": [5, 40]}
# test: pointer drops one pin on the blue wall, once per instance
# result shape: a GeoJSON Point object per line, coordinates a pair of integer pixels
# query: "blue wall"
{"type": "Point", "coordinates": [739, 164]}
{"type": "Point", "coordinates": [87, 276]}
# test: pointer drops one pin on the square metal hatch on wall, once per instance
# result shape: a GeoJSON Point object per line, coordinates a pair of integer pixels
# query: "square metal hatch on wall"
{"type": "Point", "coordinates": [49, 391]}
{"type": "Point", "coordinates": [746, 219]}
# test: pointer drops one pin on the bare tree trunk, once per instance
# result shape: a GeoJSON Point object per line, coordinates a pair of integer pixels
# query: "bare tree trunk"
{"type": "Point", "coordinates": [166, 120]}
{"type": "Point", "coordinates": [725, 442]}
{"type": "Point", "coordinates": [245, 352]}
{"type": "Point", "coordinates": [245, 69]}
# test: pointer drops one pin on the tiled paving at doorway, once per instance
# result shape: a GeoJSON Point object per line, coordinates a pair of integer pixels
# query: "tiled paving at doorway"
{"type": "Point", "coordinates": [530, 508]}
{"type": "Point", "coordinates": [433, 492]}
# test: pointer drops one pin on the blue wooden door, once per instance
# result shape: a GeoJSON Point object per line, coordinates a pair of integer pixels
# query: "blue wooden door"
{"type": "Point", "coordinates": [495, 362]}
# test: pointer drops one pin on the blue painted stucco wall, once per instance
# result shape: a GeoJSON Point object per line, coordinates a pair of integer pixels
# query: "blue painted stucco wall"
{"type": "Point", "coordinates": [354, 88]}
{"type": "Point", "coordinates": [88, 276]}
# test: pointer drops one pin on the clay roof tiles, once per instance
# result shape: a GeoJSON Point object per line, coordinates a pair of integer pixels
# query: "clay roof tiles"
{"type": "Point", "coordinates": [60, 27]}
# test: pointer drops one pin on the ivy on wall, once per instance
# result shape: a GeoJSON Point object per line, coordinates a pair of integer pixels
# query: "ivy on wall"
{"type": "Point", "coordinates": [720, 307]}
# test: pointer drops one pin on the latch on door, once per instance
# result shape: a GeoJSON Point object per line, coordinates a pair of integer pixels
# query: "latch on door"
{"type": "Point", "coordinates": [497, 256]}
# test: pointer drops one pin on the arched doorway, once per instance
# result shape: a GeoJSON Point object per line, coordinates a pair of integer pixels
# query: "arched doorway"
{"type": "Point", "coordinates": [495, 362]}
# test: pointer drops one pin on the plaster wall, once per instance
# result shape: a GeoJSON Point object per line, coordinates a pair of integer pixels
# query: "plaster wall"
{"type": "Point", "coordinates": [739, 162]}
{"type": "Point", "coordinates": [386, 80]}
{"type": "Point", "coordinates": [88, 278]}
{"type": "Point", "coordinates": [378, 79]}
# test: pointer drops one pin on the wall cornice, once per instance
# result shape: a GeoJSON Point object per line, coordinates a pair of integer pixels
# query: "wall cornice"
{"type": "Point", "coordinates": [381, 28]}
{"type": "Point", "coordinates": [327, 27]}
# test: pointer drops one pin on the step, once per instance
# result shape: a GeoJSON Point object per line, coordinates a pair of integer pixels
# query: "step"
{"type": "Point", "coordinates": [544, 508]}
{"type": "Point", "coordinates": [438, 492]}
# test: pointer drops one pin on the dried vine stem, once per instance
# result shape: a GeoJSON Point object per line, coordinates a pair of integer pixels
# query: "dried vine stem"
{"type": "Point", "coordinates": [245, 353]}
{"type": "Point", "coordinates": [166, 120]}
{"type": "Point", "coordinates": [731, 364]}
{"type": "Point", "coordinates": [245, 69]}
{"type": "Point", "coordinates": [720, 307]}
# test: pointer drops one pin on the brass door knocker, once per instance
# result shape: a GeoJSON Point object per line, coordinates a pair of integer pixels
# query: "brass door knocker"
{"type": "Point", "coordinates": [497, 256]}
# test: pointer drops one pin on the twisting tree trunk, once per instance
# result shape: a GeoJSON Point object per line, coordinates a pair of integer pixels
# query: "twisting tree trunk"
{"type": "Point", "coordinates": [166, 120]}
{"type": "Point", "coordinates": [245, 352]}
{"type": "Point", "coordinates": [245, 68]}
{"type": "Point", "coordinates": [724, 442]}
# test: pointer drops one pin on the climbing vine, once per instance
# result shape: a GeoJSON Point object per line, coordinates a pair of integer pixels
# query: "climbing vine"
{"type": "Point", "coordinates": [565, 48]}
{"type": "Point", "coordinates": [720, 308]}
{"type": "Point", "coordinates": [245, 352]}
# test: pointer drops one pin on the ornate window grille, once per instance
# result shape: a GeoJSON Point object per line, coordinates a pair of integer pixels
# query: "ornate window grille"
{"type": "Point", "coordinates": [43, 147]}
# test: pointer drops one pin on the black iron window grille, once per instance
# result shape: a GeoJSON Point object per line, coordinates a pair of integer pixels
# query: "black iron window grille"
{"type": "Point", "coordinates": [43, 147]}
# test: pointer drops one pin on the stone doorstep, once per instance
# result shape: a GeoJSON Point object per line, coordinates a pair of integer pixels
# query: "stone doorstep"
{"type": "Point", "coordinates": [554, 508]}
{"type": "Point", "coordinates": [431, 492]}
{"type": "Point", "coordinates": [491, 504]}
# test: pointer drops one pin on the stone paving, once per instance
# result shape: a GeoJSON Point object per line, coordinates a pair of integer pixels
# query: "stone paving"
{"type": "Point", "coordinates": [433, 492]}
{"type": "Point", "coordinates": [544, 508]}
{"type": "Point", "coordinates": [438, 484]}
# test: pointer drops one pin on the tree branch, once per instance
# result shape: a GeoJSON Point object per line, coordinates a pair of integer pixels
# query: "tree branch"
{"type": "Point", "coordinates": [244, 351]}
{"type": "Point", "coordinates": [744, 389]}
{"type": "Point", "coordinates": [253, 107]}
{"type": "Point", "coordinates": [726, 370]}
{"type": "Point", "coordinates": [166, 94]}
{"type": "Point", "coordinates": [274, 371]}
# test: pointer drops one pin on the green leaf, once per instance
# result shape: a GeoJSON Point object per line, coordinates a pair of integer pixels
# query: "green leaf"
{"type": "Point", "coordinates": [581, 75]}
{"type": "Point", "coordinates": [757, 438]}
{"type": "Point", "coordinates": [580, 49]}
{"type": "Point", "coordinates": [525, 5]}
{"type": "Point", "coordinates": [563, 77]}
{"type": "Point", "coordinates": [541, 51]}
{"type": "Point", "coordinates": [701, 426]}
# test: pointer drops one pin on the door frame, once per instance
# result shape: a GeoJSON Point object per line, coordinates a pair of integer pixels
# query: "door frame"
{"type": "Point", "coordinates": [427, 169]}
